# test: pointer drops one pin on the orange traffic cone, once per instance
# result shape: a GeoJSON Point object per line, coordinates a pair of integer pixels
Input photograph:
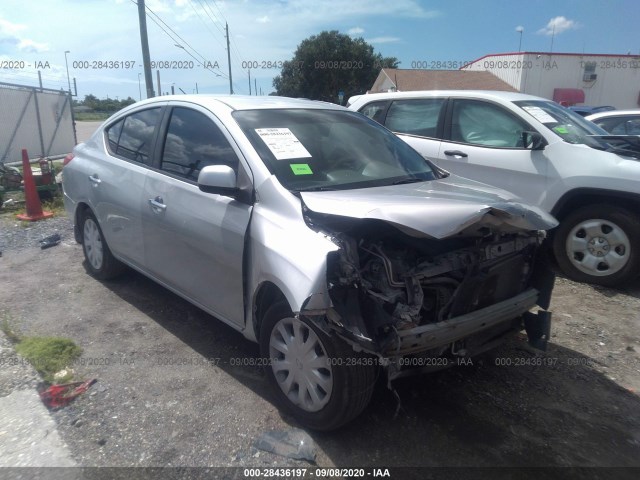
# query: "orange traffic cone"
{"type": "Point", "coordinates": [34, 207]}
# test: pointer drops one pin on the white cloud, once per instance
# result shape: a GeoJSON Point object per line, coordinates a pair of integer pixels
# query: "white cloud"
{"type": "Point", "coordinates": [30, 46]}
{"type": "Point", "coordinates": [558, 25]}
{"type": "Point", "coordinates": [10, 33]}
{"type": "Point", "coordinates": [9, 29]}
{"type": "Point", "coordinates": [383, 40]}
{"type": "Point", "coordinates": [260, 31]}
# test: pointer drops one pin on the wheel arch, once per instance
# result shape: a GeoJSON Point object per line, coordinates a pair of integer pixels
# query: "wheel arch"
{"type": "Point", "coordinates": [267, 294]}
{"type": "Point", "coordinates": [581, 197]}
{"type": "Point", "coordinates": [81, 208]}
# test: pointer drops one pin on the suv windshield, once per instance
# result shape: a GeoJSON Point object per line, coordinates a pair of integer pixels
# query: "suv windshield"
{"type": "Point", "coordinates": [330, 149]}
{"type": "Point", "coordinates": [568, 125]}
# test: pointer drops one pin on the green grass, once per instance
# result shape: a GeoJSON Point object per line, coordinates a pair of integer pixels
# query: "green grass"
{"type": "Point", "coordinates": [8, 329]}
{"type": "Point", "coordinates": [55, 204]}
{"type": "Point", "coordinates": [91, 116]}
{"type": "Point", "coordinates": [49, 355]}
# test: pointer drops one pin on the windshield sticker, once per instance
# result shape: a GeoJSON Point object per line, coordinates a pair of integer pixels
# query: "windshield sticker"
{"type": "Point", "coordinates": [539, 114]}
{"type": "Point", "coordinates": [301, 169]}
{"type": "Point", "coordinates": [283, 143]}
{"type": "Point", "coordinates": [561, 130]}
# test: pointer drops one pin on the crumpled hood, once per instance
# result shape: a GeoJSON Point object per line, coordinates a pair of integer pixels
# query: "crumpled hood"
{"type": "Point", "coordinates": [438, 208]}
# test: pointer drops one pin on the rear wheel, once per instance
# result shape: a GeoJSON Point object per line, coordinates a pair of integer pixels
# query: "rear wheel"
{"type": "Point", "coordinates": [100, 261]}
{"type": "Point", "coordinates": [317, 378]}
{"type": "Point", "coordinates": [599, 244]}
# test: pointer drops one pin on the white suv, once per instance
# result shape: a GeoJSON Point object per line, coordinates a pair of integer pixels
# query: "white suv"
{"type": "Point", "coordinates": [541, 151]}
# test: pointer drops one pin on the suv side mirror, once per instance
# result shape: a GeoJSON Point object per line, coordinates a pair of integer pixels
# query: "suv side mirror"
{"type": "Point", "coordinates": [220, 179]}
{"type": "Point", "coordinates": [533, 141]}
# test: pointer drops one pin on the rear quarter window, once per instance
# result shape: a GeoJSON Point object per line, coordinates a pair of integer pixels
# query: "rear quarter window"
{"type": "Point", "coordinates": [415, 117]}
{"type": "Point", "coordinates": [131, 138]}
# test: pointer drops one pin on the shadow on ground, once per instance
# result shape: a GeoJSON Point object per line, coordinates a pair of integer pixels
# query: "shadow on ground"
{"type": "Point", "coordinates": [510, 408]}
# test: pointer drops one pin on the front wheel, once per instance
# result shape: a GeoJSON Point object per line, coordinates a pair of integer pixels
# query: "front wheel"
{"type": "Point", "coordinates": [317, 378]}
{"type": "Point", "coordinates": [599, 244]}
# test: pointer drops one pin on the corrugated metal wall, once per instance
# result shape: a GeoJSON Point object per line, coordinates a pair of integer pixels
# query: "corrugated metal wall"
{"type": "Point", "coordinates": [39, 120]}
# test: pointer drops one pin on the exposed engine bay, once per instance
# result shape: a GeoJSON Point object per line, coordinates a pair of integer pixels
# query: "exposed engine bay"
{"type": "Point", "coordinates": [384, 283]}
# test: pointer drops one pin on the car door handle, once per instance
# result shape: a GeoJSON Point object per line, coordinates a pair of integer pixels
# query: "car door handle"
{"type": "Point", "coordinates": [455, 153]}
{"type": "Point", "coordinates": [157, 204]}
{"type": "Point", "coordinates": [95, 180]}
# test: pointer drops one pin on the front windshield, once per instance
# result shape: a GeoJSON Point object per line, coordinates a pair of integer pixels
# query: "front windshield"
{"type": "Point", "coordinates": [310, 149]}
{"type": "Point", "coordinates": [568, 125]}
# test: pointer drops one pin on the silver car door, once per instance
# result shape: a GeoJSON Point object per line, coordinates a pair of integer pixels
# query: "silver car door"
{"type": "Point", "coordinates": [194, 241]}
{"type": "Point", "coordinates": [483, 142]}
{"type": "Point", "coordinates": [117, 182]}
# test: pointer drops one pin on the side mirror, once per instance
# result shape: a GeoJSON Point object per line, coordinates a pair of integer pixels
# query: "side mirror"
{"type": "Point", "coordinates": [220, 179]}
{"type": "Point", "coordinates": [533, 141]}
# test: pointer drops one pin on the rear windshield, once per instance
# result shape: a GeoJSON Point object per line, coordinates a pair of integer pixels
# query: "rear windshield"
{"type": "Point", "coordinates": [330, 149]}
{"type": "Point", "coordinates": [568, 125]}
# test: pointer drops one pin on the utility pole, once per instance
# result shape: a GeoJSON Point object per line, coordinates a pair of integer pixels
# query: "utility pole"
{"type": "Point", "coordinates": [255, 85]}
{"type": "Point", "coordinates": [249, 81]}
{"type": "Point", "coordinates": [159, 87]}
{"type": "Point", "coordinates": [146, 58]}
{"type": "Point", "coordinates": [229, 60]}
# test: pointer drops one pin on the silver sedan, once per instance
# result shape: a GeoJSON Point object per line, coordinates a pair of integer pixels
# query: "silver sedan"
{"type": "Point", "coordinates": [315, 232]}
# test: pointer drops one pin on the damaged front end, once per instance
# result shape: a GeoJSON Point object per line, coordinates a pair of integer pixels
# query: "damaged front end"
{"type": "Point", "coordinates": [418, 301]}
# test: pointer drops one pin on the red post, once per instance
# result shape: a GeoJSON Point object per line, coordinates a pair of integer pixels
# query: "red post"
{"type": "Point", "coordinates": [34, 207]}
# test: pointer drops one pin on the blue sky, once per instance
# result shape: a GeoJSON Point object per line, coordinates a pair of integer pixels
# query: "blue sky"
{"type": "Point", "coordinates": [37, 33]}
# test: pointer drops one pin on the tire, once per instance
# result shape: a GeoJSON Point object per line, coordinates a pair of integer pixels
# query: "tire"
{"type": "Point", "coordinates": [599, 244]}
{"type": "Point", "coordinates": [343, 387]}
{"type": "Point", "coordinates": [99, 259]}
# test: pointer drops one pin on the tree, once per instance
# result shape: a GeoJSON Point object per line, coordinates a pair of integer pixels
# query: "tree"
{"type": "Point", "coordinates": [328, 63]}
{"type": "Point", "coordinates": [109, 105]}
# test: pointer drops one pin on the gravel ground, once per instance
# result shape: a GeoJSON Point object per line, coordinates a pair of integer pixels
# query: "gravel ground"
{"type": "Point", "coordinates": [17, 235]}
{"type": "Point", "coordinates": [177, 387]}
{"type": "Point", "coordinates": [15, 374]}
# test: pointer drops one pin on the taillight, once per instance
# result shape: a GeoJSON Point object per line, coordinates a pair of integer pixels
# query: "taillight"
{"type": "Point", "coordinates": [67, 159]}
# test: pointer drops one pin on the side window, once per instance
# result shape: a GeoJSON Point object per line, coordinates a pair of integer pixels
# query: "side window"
{"type": "Point", "coordinates": [620, 125]}
{"type": "Point", "coordinates": [374, 110]}
{"type": "Point", "coordinates": [113, 135]}
{"type": "Point", "coordinates": [482, 123]}
{"type": "Point", "coordinates": [193, 142]}
{"type": "Point", "coordinates": [131, 137]}
{"type": "Point", "coordinates": [632, 126]}
{"type": "Point", "coordinates": [415, 117]}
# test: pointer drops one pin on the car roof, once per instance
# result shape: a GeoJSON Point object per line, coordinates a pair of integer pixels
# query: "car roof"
{"type": "Point", "coordinates": [613, 113]}
{"type": "Point", "coordinates": [242, 102]}
{"type": "Point", "coordinates": [484, 94]}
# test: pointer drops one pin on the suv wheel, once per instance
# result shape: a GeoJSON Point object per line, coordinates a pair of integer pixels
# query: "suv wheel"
{"type": "Point", "coordinates": [100, 262]}
{"type": "Point", "coordinates": [315, 377]}
{"type": "Point", "coordinates": [599, 244]}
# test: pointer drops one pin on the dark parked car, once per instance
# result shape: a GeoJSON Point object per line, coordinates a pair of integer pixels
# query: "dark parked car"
{"type": "Point", "coordinates": [585, 110]}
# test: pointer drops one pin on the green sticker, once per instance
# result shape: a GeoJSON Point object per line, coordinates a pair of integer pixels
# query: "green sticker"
{"type": "Point", "coordinates": [561, 129]}
{"type": "Point", "coordinates": [301, 169]}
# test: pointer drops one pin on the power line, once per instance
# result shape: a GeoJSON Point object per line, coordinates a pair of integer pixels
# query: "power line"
{"type": "Point", "coordinates": [208, 10]}
{"type": "Point", "coordinates": [234, 49]}
{"type": "Point", "coordinates": [205, 24]}
{"type": "Point", "coordinates": [204, 61]}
